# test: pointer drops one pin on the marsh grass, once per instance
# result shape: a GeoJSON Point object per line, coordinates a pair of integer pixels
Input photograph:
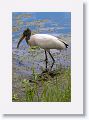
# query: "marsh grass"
{"type": "Point", "coordinates": [52, 86]}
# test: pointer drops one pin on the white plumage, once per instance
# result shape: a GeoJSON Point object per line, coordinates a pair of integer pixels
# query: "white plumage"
{"type": "Point", "coordinates": [44, 41]}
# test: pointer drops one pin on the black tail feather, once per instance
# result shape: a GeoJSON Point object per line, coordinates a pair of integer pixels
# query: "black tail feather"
{"type": "Point", "coordinates": [65, 44]}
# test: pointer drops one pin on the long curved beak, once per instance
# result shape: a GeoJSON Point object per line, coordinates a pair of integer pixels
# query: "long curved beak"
{"type": "Point", "coordinates": [20, 40]}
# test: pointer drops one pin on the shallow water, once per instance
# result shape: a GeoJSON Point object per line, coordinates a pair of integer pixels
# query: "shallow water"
{"type": "Point", "coordinates": [23, 59]}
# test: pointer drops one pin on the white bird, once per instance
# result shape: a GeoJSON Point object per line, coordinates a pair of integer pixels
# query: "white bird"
{"type": "Point", "coordinates": [44, 41]}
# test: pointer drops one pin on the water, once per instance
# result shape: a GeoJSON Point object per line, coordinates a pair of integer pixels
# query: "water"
{"type": "Point", "coordinates": [53, 23]}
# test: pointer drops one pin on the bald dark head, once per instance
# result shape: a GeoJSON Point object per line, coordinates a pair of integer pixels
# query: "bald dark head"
{"type": "Point", "coordinates": [26, 35]}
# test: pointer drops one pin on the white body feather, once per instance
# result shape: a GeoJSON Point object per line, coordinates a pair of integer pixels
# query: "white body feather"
{"type": "Point", "coordinates": [46, 41]}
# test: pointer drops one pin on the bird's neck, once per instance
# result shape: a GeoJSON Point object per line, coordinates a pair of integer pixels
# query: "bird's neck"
{"type": "Point", "coordinates": [27, 38]}
{"type": "Point", "coordinates": [27, 41]}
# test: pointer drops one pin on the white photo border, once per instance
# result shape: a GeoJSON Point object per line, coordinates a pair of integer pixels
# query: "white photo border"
{"type": "Point", "coordinates": [76, 104]}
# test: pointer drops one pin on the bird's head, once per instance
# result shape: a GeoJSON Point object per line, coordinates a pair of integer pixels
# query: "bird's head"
{"type": "Point", "coordinates": [26, 35]}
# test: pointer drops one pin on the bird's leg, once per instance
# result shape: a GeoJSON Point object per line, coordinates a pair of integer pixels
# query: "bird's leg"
{"type": "Point", "coordinates": [52, 65]}
{"type": "Point", "coordinates": [46, 66]}
{"type": "Point", "coordinates": [51, 56]}
{"type": "Point", "coordinates": [46, 59]}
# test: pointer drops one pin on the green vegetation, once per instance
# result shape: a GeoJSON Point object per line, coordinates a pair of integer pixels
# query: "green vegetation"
{"type": "Point", "coordinates": [52, 86]}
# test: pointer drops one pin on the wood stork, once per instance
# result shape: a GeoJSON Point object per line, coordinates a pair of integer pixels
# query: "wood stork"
{"type": "Point", "coordinates": [44, 41]}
